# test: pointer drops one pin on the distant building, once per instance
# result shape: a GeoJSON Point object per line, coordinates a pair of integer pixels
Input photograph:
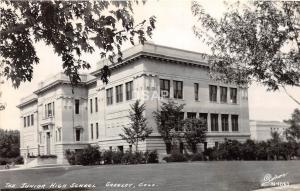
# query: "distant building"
{"type": "Point", "coordinates": [261, 130]}
{"type": "Point", "coordinates": [54, 119]}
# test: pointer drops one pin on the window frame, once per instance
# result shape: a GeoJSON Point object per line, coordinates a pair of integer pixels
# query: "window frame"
{"type": "Point", "coordinates": [216, 127]}
{"type": "Point", "coordinates": [196, 91]}
{"type": "Point", "coordinates": [77, 106]}
{"type": "Point", "coordinates": [213, 93]}
{"type": "Point", "coordinates": [109, 96]}
{"type": "Point", "coordinates": [225, 124]}
{"type": "Point", "coordinates": [233, 95]}
{"type": "Point", "coordinates": [119, 93]}
{"type": "Point", "coordinates": [162, 84]}
{"type": "Point", "coordinates": [129, 90]}
{"type": "Point", "coordinates": [235, 126]}
{"type": "Point", "coordinates": [177, 89]}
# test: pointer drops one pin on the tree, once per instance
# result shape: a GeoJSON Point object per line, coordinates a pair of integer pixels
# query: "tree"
{"type": "Point", "coordinates": [259, 41]}
{"type": "Point", "coordinates": [137, 130]}
{"type": "Point", "coordinates": [194, 132]}
{"type": "Point", "coordinates": [9, 143]}
{"type": "Point", "coordinates": [71, 28]}
{"type": "Point", "coordinates": [169, 120]}
{"type": "Point", "coordinates": [293, 132]}
{"type": "Point", "coordinates": [248, 150]}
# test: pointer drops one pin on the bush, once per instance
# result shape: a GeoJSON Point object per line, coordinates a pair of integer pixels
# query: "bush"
{"type": "Point", "coordinates": [47, 156]}
{"type": "Point", "coordinates": [117, 157]}
{"type": "Point", "coordinates": [197, 157]}
{"type": "Point", "coordinates": [151, 156]}
{"type": "Point", "coordinates": [19, 160]}
{"type": "Point", "coordinates": [107, 157]}
{"type": "Point", "coordinates": [175, 157]}
{"type": "Point", "coordinates": [88, 156]}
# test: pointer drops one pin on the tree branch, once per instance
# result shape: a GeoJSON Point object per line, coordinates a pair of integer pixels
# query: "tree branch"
{"type": "Point", "coordinates": [287, 93]}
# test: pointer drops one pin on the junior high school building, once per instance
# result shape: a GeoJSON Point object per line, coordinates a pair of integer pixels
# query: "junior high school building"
{"type": "Point", "coordinates": [53, 119]}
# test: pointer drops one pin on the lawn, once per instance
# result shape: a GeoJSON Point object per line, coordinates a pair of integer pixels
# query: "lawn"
{"type": "Point", "coordinates": [225, 175]}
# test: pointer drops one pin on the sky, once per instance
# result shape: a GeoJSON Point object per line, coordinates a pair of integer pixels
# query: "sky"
{"type": "Point", "coordinates": [174, 29]}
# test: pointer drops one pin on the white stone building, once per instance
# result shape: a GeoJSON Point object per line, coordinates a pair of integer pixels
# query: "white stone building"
{"type": "Point", "coordinates": [54, 119]}
{"type": "Point", "coordinates": [261, 130]}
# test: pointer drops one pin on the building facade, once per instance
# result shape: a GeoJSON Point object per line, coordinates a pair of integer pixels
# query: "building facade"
{"type": "Point", "coordinates": [262, 130]}
{"type": "Point", "coordinates": [55, 119]}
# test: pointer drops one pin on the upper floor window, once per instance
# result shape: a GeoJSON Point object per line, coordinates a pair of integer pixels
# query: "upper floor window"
{"type": "Point", "coordinates": [212, 93]}
{"type": "Point", "coordinates": [32, 119]}
{"type": "Point", "coordinates": [164, 88]}
{"type": "Point", "coordinates": [129, 90]}
{"type": "Point", "coordinates": [96, 104]}
{"type": "Point", "coordinates": [24, 118]}
{"type": "Point", "coordinates": [223, 95]}
{"type": "Point", "coordinates": [196, 91]}
{"type": "Point", "coordinates": [109, 96]}
{"type": "Point", "coordinates": [235, 122]}
{"type": "Point", "coordinates": [91, 105]}
{"type": "Point", "coordinates": [28, 121]}
{"type": "Point", "coordinates": [77, 103]}
{"type": "Point", "coordinates": [214, 122]}
{"type": "Point", "coordinates": [233, 95]}
{"type": "Point", "coordinates": [119, 93]}
{"type": "Point", "coordinates": [178, 86]}
{"type": "Point", "coordinates": [224, 119]}
{"type": "Point", "coordinates": [49, 110]}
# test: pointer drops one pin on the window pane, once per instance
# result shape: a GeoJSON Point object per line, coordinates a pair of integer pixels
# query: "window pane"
{"type": "Point", "coordinates": [196, 90]}
{"type": "Point", "coordinates": [224, 119]}
{"type": "Point", "coordinates": [91, 105]}
{"type": "Point", "coordinates": [32, 119]}
{"type": "Point", "coordinates": [77, 106]}
{"type": "Point", "coordinates": [92, 131]}
{"type": "Point", "coordinates": [223, 95]}
{"type": "Point", "coordinates": [96, 104]}
{"type": "Point", "coordinates": [233, 95]}
{"type": "Point", "coordinates": [129, 90]}
{"type": "Point", "coordinates": [212, 93]}
{"type": "Point", "coordinates": [214, 122]}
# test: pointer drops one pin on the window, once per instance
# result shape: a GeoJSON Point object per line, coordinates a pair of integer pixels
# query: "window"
{"type": "Point", "coordinates": [97, 131]}
{"type": "Point", "coordinates": [196, 90]}
{"type": "Point", "coordinates": [46, 111]}
{"type": "Point", "coordinates": [59, 134]}
{"type": "Point", "coordinates": [217, 144]}
{"type": "Point", "coordinates": [96, 104]}
{"type": "Point", "coordinates": [214, 122]}
{"type": "Point", "coordinates": [233, 95]}
{"type": "Point", "coordinates": [164, 88]}
{"type": "Point", "coordinates": [212, 93]}
{"type": "Point", "coordinates": [24, 121]}
{"type": "Point", "coordinates": [77, 134]}
{"type": "Point", "coordinates": [92, 131]}
{"type": "Point", "coordinates": [53, 113]}
{"type": "Point", "coordinates": [224, 119]}
{"type": "Point", "coordinates": [180, 124]}
{"type": "Point", "coordinates": [109, 96]}
{"type": "Point", "coordinates": [32, 119]}
{"type": "Point", "coordinates": [235, 122]}
{"type": "Point", "coordinates": [178, 85]}
{"type": "Point", "coordinates": [28, 121]}
{"type": "Point", "coordinates": [191, 115]}
{"type": "Point", "coordinates": [91, 105]}
{"type": "Point", "coordinates": [49, 109]}
{"type": "Point", "coordinates": [129, 90]}
{"type": "Point", "coordinates": [77, 106]}
{"type": "Point", "coordinates": [203, 117]}
{"type": "Point", "coordinates": [223, 95]}
{"type": "Point", "coordinates": [119, 93]}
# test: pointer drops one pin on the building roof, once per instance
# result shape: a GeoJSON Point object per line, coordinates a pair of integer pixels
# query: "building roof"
{"type": "Point", "coordinates": [261, 123]}
{"type": "Point", "coordinates": [160, 52]}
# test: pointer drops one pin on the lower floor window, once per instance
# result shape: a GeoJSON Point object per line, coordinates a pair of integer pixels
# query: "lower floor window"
{"type": "Point", "coordinates": [77, 134]}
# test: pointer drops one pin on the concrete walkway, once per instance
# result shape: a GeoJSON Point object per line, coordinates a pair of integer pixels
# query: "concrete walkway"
{"type": "Point", "coordinates": [293, 187]}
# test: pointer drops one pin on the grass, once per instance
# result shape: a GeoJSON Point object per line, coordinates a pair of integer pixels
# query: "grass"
{"type": "Point", "coordinates": [222, 175]}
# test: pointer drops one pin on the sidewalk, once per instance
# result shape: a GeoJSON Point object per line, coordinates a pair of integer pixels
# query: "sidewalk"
{"type": "Point", "coordinates": [293, 187]}
{"type": "Point", "coordinates": [23, 167]}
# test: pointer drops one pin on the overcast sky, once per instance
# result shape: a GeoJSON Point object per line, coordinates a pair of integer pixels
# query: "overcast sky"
{"type": "Point", "coordinates": [173, 28]}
